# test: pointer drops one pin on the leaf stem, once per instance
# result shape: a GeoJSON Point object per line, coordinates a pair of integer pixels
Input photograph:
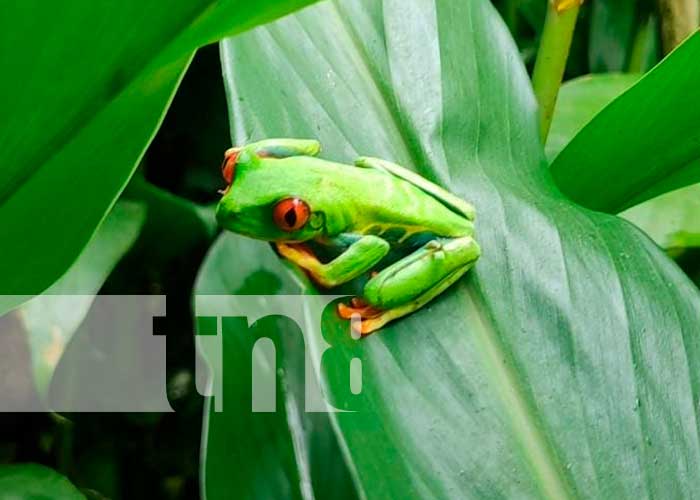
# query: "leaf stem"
{"type": "Point", "coordinates": [554, 48]}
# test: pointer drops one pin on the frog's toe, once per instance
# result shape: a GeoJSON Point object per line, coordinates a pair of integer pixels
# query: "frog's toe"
{"type": "Point", "coordinates": [363, 317]}
{"type": "Point", "coordinates": [367, 326]}
{"type": "Point", "coordinates": [357, 307]}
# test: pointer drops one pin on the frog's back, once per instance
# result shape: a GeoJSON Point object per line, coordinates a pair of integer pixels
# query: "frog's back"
{"type": "Point", "coordinates": [366, 200]}
{"type": "Point", "coordinates": [392, 207]}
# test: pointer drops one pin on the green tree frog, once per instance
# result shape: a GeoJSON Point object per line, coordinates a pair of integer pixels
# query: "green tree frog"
{"type": "Point", "coordinates": [407, 238]}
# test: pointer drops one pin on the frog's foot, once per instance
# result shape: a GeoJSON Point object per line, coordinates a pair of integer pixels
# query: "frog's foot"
{"type": "Point", "coordinates": [370, 317]}
{"type": "Point", "coordinates": [430, 271]}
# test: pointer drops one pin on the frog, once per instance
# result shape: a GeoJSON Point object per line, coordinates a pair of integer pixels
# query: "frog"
{"type": "Point", "coordinates": [282, 192]}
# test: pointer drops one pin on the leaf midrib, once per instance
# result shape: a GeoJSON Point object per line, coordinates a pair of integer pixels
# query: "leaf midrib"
{"type": "Point", "coordinates": [535, 445]}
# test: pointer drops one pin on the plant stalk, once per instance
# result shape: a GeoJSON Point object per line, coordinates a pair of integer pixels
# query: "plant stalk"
{"type": "Point", "coordinates": [642, 45]}
{"type": "Point", "coordinates": [679, 18]}
{"type": "Point", "coordinates": [552, 54]}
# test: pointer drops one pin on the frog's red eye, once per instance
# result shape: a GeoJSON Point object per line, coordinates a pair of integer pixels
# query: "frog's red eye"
{"type": "Point", "coordinates": [228, 167]}
{"type": "Point", "coordinates": [291, 214]}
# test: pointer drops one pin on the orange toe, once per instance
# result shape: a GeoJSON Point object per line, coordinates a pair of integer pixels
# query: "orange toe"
{"type": "Point", "coordinates": [357, 307]}
{"type": "Point", "coordinates": [344, 311]}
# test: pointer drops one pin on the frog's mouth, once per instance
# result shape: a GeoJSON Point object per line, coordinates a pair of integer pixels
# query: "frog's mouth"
{"type": "Point", "coordinates": [228, 167]}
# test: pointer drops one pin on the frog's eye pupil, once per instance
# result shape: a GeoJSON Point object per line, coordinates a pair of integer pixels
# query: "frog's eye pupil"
{"type": "Point", "coordinates": [291, 214]}
{"type": "Point", "coordinates": [290, 217]}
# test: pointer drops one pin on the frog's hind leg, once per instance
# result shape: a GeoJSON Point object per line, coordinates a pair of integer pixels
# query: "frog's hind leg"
{"type": "Point", "coordinates": [376, 321]}
{"type": "Point", "coordinates": [410, 283]}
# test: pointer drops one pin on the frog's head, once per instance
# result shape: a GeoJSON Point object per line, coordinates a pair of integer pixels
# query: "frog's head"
{"type": "Point", "coordinates": [267, 200]}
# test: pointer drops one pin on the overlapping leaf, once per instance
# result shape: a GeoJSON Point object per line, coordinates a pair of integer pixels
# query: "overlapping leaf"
{"type": "Point", "coordinates": [579, 101]}
{"type": "Point", "coordinates": [33, 481]}
{"type": "Point", "coordinates": [643, 144]}
{"type": "Point", "coordinates": [50, 320]}
{"type": "Point", "coordinates": [85, 86]}
{"type": "Point", "coordinates": [670, 219]}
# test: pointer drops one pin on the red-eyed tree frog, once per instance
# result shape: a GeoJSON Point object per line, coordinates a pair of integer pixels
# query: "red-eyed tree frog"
{"type": "Point", "coordinates": [407, 237]}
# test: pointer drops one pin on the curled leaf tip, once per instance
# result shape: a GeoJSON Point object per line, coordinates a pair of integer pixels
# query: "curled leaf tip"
{"type": "Point", "coordinates": [564, 5]}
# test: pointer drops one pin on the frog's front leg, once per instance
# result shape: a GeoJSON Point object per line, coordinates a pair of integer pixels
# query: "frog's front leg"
{"type": "Point", "coordinates": [283, 148]}
{"type": "Point", "coordinates": [357, 259]}
{"type": "Point", "coordinates": [412, 282]}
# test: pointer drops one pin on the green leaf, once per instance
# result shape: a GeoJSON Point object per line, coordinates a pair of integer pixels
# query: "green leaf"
{"type": "Point", "coordinates": [670, 219]}
{"type": "Point", "coordinates": [35, 482]}
{"type": "Point", "coordinates": [611, 34]}
{"type": "Point", "coordinates": [533, 11]}
{"type": "Point", "coordinates": [195, 223]}
{"type": "Point", "coordinates": [565, 363]}
{"type": "Point", "coordinates": [161, 258]}
{"type": "Point", "coordinates": [579, 101]}
{"type": "Point", "coordinates": [86, 86]}
{"type": "Point", "coordinates": [646, 48]}
{"type": "Point", "coordinates": [285, 454]}
{"type": "Point", "coordinates": [51, 319]}
{"type": "Point", "coordinates": [643, 144]}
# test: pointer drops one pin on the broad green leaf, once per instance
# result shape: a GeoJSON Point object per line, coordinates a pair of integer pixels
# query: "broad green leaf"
{"type": "Point", "coordinates": [645, 143]}
{"type": "Point", "coordinates": [50, 319]}
{"type": "Point", "coordinates": [285, 454]}
{"type": "Point", "coordinates": [579, 101]}
{"type": "Point", "coordinates": [85, 86]}
{"type": "Point", "coordinates": [35, 482]}
{"type": "Point", "coordinates": [565, 363]}
{"type": "Point", "coordinates": [611, 34]}
{"type": "Point", "coordinates": [670, 219]}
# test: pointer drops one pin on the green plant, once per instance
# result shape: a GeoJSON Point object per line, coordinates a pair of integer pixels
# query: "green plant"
{"type": "Point", "coordinates": [565, 365]}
